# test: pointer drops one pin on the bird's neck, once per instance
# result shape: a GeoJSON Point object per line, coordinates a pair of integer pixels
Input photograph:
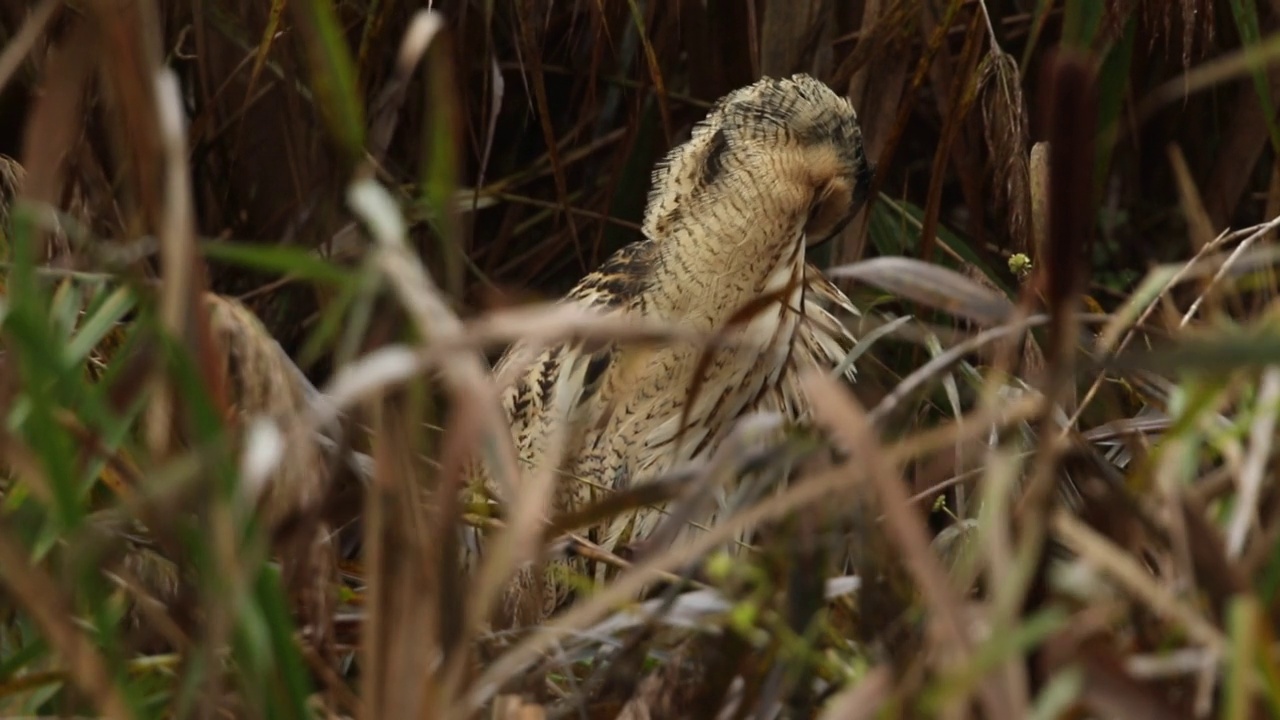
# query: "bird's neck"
{"type": "Point", "coordinates": [714, 261]}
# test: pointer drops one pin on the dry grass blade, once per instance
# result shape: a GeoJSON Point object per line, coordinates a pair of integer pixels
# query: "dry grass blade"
{"type": "Point", "coordinates": [1244, 141]}
{"type": "Point", "coordinates": [952, 146]}
{"type": "Point", "coordinates": [1238, 259]}
{"type": "Point", "coordinates": [529, 40]}
{"type": "Point", "coordinates": [1125, 570]}
{"type": "Point", "coordinates": [465, 372]}
{"type": "Point", "coordinates": [1192, 205]}
{"type": "Point", "coordinates": [518, 543]}
{"type": "Point", "coordinates": [498, 86]}
{"type": "Point", "coordinates": [930, 370]}
{"type": "Point", "coordinates": [270, 33]}
{"type": "Point", "coordinates": [541, 325]}
{"type": "Point", "coordinates": [131, 36]}
{"type": "Point", "coordinates": [18, 48]}
{"type": "Point", "coordinates": [651, 63]}
{"type": "Point", "coordinates": [876, 90]}
{"type": "Point", "coordinates": [399, 643]}
{"type": "Point", "coordinates": [931, 285]}
{"type": "Point", "coordinates": [459, 440]}
{"type": "Point", "coordinates": [837, 409]}
{"type": "Point", "coordinates": [180, 266]}
{"type": "Point", "coordinates": [385, 111]}
{"type": "Point", "coordinates": [937, 39]}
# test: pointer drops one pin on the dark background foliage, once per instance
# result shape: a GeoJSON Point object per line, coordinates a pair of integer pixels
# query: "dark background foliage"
{"type": "Point", "coordinates": [564, 107]}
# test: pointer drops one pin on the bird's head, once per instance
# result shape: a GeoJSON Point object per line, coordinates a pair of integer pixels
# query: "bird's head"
{"type": "Point", "coordinates": [793, 138]}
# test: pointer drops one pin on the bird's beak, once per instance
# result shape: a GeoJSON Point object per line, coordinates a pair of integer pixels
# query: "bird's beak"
{"type": "Point", "coordinates": [835, 229]}
{"type": "Point", "coordinates": [860, 196]}
{"type": "Point", "coordinates": [862, 191]}
{"type": "Point", "coordinates": [863, 178]}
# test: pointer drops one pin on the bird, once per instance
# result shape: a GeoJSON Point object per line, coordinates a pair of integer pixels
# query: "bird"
{"type": "Point", "coordinates": [775, 168]}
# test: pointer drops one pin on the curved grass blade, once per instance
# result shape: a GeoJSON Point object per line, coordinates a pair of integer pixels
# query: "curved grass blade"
{"type": "Point", "coordinates": [931, 285]}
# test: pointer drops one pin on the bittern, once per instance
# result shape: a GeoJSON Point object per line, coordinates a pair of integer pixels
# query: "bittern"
{"type": "Point", "coordinates": [776, 167]}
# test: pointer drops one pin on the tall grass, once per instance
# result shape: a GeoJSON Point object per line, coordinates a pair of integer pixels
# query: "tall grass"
{"type": "Point", "coordinates": [256, 256]}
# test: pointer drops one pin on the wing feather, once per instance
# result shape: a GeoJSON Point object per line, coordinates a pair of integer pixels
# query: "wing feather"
{"type": "Point", "coordinates": [821, 341]}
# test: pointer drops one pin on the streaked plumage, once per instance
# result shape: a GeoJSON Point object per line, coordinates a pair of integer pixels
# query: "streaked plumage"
{"type": "Point", "coordinates": [775, 166]}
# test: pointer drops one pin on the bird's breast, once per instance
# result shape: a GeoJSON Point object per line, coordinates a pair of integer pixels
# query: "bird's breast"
{"type": "Point", "coordinates": [711, 387]}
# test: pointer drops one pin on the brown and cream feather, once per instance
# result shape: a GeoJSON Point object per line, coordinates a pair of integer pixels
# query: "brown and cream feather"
{"type": "Point", "coordinates": [774, 168]}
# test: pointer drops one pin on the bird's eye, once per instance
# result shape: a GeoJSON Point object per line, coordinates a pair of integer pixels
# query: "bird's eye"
{"type": "Point", "coordinates": [832, 208]}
